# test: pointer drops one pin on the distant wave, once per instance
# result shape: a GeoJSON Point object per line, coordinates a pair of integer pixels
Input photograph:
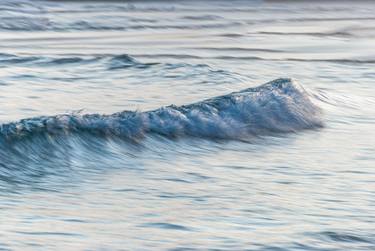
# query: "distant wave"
{"type": "Point", "coordinates": [257, 58]}
{"type": "Point", "coordinates": [316, 34]}
{"type": "Point", "coordinates": [112, 62]}
{"type": "Point", "coordinates": [203, 17]}
{"type": "Point", "coordinates": [237, 49]}
{"type": "Point", "coordinates": [7, 59]}
{"type": "Point", "coordinates": [35, 23]}
{"type": "Point", "coordinates": [331, 60]}
{"type": "Point", "coordinates": [126, 61]}
{"type": "Point", "coordinates": [279, 106]}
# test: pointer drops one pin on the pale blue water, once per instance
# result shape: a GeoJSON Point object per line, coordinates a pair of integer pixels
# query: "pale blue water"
{"type": "Point", "coordinates": [153, 125]}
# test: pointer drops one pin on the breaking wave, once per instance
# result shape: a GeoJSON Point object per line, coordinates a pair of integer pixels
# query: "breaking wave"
{"type": "Point", "coordinates": [279, 106]}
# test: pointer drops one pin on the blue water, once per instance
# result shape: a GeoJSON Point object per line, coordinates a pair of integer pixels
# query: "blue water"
{"type": "Point", "coordinates": [187, 125]}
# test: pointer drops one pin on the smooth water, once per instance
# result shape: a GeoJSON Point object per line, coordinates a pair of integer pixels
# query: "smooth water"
{"type": "Point", "coordinates": [187, 125]}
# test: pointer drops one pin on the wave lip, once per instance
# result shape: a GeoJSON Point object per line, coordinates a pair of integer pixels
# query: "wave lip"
{"type": "Point", "coordinates": [279, 106]}
{"type": "Point", "coordinates": [276, 107]}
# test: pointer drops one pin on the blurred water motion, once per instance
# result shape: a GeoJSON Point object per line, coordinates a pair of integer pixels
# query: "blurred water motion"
{"type": "Point", "coordinates": [94, 157]}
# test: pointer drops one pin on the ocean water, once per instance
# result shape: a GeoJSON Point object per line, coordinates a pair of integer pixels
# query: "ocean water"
{"type": "Point", "coordinates": [187, 125]}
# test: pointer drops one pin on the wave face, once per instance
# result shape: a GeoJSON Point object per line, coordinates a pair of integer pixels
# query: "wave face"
{"type": "Point", "coordinates": [279, 106]}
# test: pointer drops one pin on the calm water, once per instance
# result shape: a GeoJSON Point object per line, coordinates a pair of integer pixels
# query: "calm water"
{"type": "Point", "coordinates": [285, 166]}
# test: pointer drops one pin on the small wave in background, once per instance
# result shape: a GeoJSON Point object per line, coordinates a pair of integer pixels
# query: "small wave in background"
{"type": "Point", "coordinates": [144, 125]}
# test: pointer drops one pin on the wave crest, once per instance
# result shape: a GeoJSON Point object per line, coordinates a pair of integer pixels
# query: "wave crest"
{"type": "Point", "coordinates": [278, 106]}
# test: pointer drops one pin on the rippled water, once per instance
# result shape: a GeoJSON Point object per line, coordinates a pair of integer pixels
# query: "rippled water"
{"type": "Point", "coordinates": [168, 125]}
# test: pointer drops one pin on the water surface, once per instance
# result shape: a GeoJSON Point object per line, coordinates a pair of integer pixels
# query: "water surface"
{"type": "Point", "coordinates": [94, 157]}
